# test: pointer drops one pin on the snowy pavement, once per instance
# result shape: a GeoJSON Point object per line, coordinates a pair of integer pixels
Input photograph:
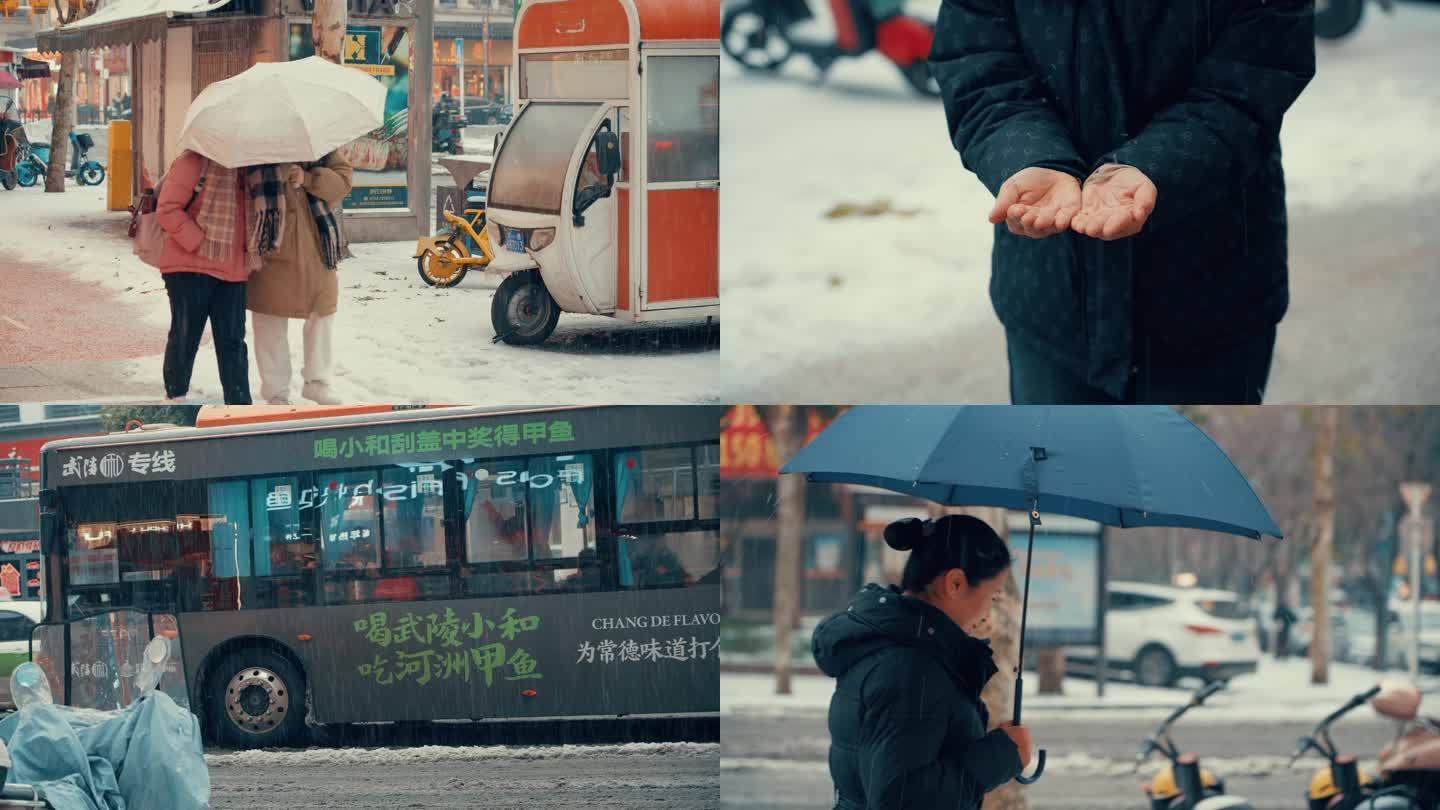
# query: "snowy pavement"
{"type": "Point", "coordinates": [1277, 692]}
{"type": "Point", "coordinates": [684, 776]}
{"type": "Point", "coordinates": [857, 249]}
{"type": "Point", "coordinates": [396, 339]}
{"type": "Point", "coordinates": [770, 763]}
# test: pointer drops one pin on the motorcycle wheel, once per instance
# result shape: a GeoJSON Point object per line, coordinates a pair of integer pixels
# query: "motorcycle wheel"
{"type": "Point", "coordinates": [750, 38]}
{"type": "Point", "coordinates": [1337, 18]}
{"type": "Point", "coordinates": [27, 174]}
{"type": "Point", "coordinates": [92, 174]}
{"type": "Point", "coordinates": [8, 181]}
{"type": "Point", "coordinates": [440, 270]}
{"type": "Point", "coordinates": [920, 79]}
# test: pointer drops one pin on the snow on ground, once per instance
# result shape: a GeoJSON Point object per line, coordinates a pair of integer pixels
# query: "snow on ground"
{"type": "Point", "coordinates": [852, 232]}
{"type": "Point", "coordinates": [396, 339]}
{"type": "Point", "coordinates": [1076, 763]}
{"type": "Point", "coordinates": [1280, 690]}
{"type": "Point", "coordinates": [443, 753]}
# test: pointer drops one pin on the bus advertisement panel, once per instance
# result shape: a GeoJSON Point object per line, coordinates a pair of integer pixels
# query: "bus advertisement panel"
{"type": "Point", "coordinates": [444, 564]}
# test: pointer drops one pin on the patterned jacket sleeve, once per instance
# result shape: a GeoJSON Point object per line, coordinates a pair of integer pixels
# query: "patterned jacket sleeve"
{"type": "Point", "coordinates": [1201, 148]}
{"type": "Point", "coordinates": [999, 114]}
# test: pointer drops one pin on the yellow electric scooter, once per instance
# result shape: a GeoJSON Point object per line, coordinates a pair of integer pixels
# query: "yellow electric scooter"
{"type": "Point", "coordinates": [444, 259]}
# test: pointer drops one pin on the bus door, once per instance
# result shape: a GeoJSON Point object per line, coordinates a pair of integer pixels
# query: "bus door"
{"type": "Point", "coordinates": [682, 178]}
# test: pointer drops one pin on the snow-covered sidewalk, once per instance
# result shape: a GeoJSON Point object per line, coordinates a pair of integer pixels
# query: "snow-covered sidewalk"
{"type": "Point", "coordinates": [1280, 690]}
{"type": "Point", "coordinates": [396, 339]}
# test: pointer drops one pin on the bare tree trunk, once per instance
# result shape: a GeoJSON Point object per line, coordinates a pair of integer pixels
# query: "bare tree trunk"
{"type": "Point", "coordinates": [1050, 666]}
{"type": "Point", "coordinates": [1324, 472]}
{"type": "Point", "coordinates": [790, 524]}
{"type": "Point", "coordinates": [61, 121]}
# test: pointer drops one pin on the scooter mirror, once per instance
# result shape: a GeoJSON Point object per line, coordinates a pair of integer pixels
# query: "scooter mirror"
{"type": "Point", "coordinates": [29, 686]}
{"type": "Point", "coordinates": [152, 668]}
{"type": "Point", "coordinates": [607, 152]}
{"type": "Point", "coordinates": [1399, 700]}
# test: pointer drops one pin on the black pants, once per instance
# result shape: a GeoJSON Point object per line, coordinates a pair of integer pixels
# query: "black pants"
{"type": "Point", "coordinates": [194, 299]}
{"type": "Point", "coordinates": [1232, 375]}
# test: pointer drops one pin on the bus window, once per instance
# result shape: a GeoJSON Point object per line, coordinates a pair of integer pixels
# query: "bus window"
{"type": "Point", "coordinates": [213, 532]}
{"type": "Point", "coordinates": [283, 542]}
{"type": "Point", "coordinates": [707, 474]}
{"type": "Point", "coordinates": [562, 515]}
{"type": "Point", "coordinates": [675, 559]}
{"type": "Point", "coordinates": [656, 485]}
{"type": "Point", "coordinates": [496, 549]}
{"type": "Point", "coordinates": [349, 535]}
{"type": "Point", "coordinates": [121, 547]}
{"type": "Point", "coordinates": [412, 511]}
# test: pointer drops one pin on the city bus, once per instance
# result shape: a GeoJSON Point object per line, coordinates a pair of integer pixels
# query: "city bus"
{"type": "Point", "coordinates": [438, 564]}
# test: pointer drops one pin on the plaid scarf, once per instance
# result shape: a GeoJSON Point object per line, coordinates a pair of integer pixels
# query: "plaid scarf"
{"type": "Point", "coordinates": [267, 201]}
{"type": "Point", "coordinates": [218, 212]}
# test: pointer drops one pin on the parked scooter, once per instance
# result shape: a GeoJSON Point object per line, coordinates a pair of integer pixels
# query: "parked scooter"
{"type": "Point", "coordinates": [13, 145]}
{"type": "Point", "coordinates": [1184, 784]}
{"type": "Point", "coordinates": [1335, 19]}
{"type": "Point", "coordinates": [35, 162]}
{"type": "Point", "coordinates": [1340, 784]}
{"type": "Point", "coordinates": [447, 127]}
{"type": "Point", "coordinates": [764, 34]}
{"type": "Point", "coordinates": [1410, 763]}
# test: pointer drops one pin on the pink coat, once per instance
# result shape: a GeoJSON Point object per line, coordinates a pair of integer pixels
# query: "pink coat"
{"type": "Point", "coordinates": [182, 247]}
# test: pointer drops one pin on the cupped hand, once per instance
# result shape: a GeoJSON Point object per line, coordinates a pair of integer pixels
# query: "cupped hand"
{"type": "Point", "coordinates": [1118, 200]}
{"type": "Point", "coordinates": [1020, 735]}
{"type": "Point", "coordinates": [1037, 202]}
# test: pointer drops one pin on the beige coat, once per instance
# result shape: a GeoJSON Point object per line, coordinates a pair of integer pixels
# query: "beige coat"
{"type": "Point", "coordinates": [294, 283]}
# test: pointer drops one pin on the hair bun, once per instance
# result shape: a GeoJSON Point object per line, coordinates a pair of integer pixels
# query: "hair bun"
{"type": "Point", "coordinates": [902, 535]}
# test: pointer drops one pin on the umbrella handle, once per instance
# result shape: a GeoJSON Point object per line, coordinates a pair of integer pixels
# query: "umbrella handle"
{"type": "Point", "coordinates": [1039, 769]}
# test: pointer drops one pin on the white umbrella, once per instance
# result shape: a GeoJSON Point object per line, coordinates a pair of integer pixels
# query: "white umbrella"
{"type": "Point", "coordinates": [283, 112]}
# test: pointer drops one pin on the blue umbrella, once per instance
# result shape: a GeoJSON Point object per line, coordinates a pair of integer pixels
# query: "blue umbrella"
{"type": "Point", "coordinates": [1117, 465]}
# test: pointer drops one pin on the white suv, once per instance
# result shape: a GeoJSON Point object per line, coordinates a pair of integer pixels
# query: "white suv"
{"type": "Point", "coordinates": [1163, 633]}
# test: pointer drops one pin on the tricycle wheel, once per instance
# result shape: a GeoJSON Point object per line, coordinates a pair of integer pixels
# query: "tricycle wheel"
{"type": "Point", "coordinates": [921, 80]}
{"type": "Point", "coordinates": [523, 312]}
{"type": "Point", "coordinates": [7, 180]}
{"type": "Point", "coordinates": [440, 267]}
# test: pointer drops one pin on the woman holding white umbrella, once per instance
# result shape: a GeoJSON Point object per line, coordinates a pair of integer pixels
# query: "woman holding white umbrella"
{"type": "Point", "coordinates": [282, 122]}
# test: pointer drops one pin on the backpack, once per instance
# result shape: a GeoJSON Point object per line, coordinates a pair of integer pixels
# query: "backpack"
{"type": "Point", "coordinates": [148, 238]}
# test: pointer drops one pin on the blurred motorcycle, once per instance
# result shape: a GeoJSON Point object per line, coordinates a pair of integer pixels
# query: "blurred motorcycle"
{"type": "Point", "coordinates": [1335, 19]}
{"type": "Point", "coordinates": [762, 35]}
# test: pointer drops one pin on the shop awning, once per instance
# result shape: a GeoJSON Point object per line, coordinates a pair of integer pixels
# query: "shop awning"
{"type": "Point", "coordinates": [121, 22]}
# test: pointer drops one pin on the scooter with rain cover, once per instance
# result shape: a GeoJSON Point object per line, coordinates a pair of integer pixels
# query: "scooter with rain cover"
{"type": "Point", "coordinates": [1183, 784]}
{"type": "Point", "coordinates": [147, 754]}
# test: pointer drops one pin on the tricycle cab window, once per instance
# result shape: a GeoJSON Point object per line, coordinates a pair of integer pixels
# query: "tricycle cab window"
{"type": "Point", "coordinates": [382, 157]}
{"type": "Point", "coordinates": [574, 74]}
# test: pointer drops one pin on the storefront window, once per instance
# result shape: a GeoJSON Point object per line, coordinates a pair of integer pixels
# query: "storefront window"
{"type": "Point", "coordinates": [380, 158]}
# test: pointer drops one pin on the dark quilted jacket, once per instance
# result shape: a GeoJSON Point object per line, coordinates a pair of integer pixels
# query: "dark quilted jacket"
{"type": "Point", "coordinates": [1191, 92]}
{"type": "Point", "coordinates": [907, 728]}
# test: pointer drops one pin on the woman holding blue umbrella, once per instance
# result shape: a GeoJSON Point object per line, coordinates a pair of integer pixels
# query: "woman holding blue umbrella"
{"type": "Point", "coordinates": [907, 726]}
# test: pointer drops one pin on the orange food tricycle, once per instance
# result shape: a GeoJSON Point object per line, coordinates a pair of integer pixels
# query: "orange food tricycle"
{"type": "Point", "coordinates": [604, 195]}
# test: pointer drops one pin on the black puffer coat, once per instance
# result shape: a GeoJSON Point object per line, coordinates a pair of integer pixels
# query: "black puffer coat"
{"type": "Point", "coordinates": [907, 728]}
{"type": "Point", "coordinates": [1191, 92]}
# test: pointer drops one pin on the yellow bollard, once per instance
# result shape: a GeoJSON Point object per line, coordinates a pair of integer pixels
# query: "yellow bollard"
{"type": "Point", "coordinates": [119, 193]}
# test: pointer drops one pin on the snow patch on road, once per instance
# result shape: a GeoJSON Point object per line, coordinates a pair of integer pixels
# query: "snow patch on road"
{"type": "Point", "coordinates": [1075, 763]}
{"type": "Point", "coordinates": [431, 754]}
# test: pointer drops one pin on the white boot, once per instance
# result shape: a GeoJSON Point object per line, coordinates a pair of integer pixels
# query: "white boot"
{"type": "Point", "coordinates": [319, 393]}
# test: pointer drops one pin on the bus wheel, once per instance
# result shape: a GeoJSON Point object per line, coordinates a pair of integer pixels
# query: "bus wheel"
{"type": "Point", "coordinates": [258, 700]}
{"type": "Point", "coordinates": [523, 312]}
